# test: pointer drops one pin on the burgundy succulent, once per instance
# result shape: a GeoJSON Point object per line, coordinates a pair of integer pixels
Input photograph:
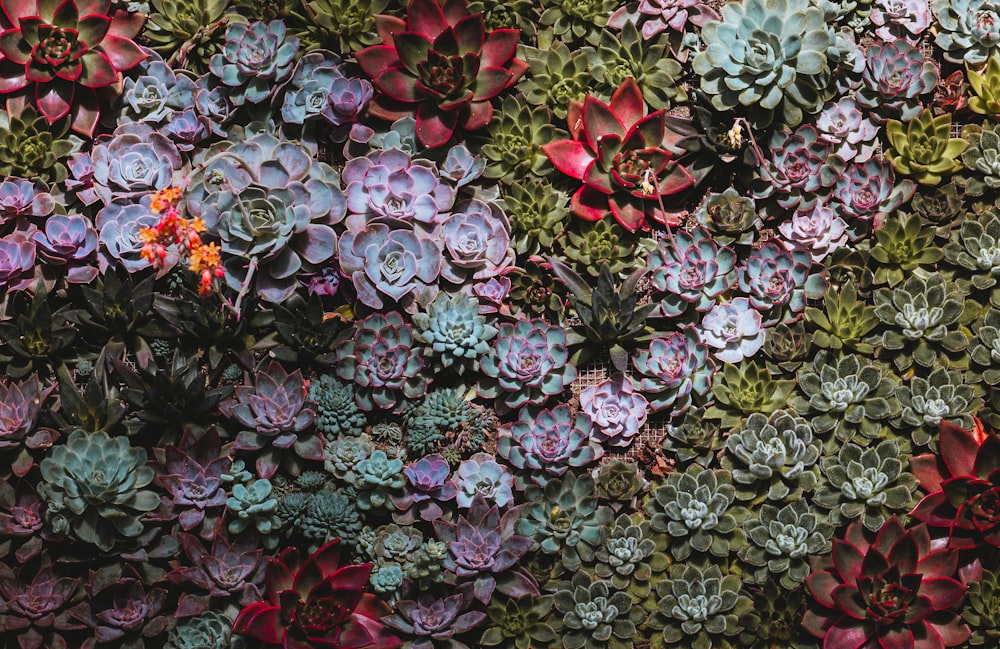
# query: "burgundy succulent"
{"type": "Point", "coordinates": [314, 602]}
{"type": "Point", "coordinates": [20, 404]}
{"type": "Point", "coordinates": [64, 51]}
{"type": "Point", "coordinates": [226, 569]}
{"type": "Point", "coordinates": [625, 158]}
{"type": "Point", "coordinates": [120, 610]}
{"type": "Point", "coordinates": [442, 64]}
{"type": "Point", "coordinates": [892, 592]}
{"type": "Point", "coordinates": [191, 473]}
{"type": "Point", "coordinates": [36, 609]}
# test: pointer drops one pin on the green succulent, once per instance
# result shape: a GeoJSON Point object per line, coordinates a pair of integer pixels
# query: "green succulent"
{"type": "Point", "coordinates": [395, 544]}
{"type": "Point", "coordinates": [903, 244]}
{"type": "Point", "coordinates": [30, 147]}
{"type": "Point", "coordinates": [619, 484]}
{"type": "Point", "coordinates": [632, 557]}
{"type": "Point", "coordinates": [981, 610]}
{"type": "Point", "coordinates": [93, 488]}
{"type": "Point", "coordinates": [330, 513]}
{"type": "Point", "coordinates": [442, 411]}
{"type": "Point", "coordinates": [427, 563]}
{"type": "Point", "coordinates": [694, 438]}
{"type": "Point", "coordinates": [454, 332]}
{"type": "Point", "coordinates": [695, 508]}
{"type": "Point", "coordinates": [781, 541]}
{"type": "Point", "coordinates": [564, 518]}
{"type": "Point", "coordinates": [509, 14]}
{"type": "Point", "coordinates": [847, 398]}
{"type": "Point", "coordinates": [378, 476]}
{"type": "Point", "coordinates": [518, 623]}
{"type": "Point", "coordinates": [787, 347]}
{"type": "Point", "coordinates": [290, 508]}
{"type": "Point", "coordinates": [701, 606]}
{"type": "Point", "coordinates": [729, 216]}
{"type": "Point", "coordinates": [595, 616]}
{"type": "Point", "coordinates": [345, 26]}
{"type": "Point", "coordinates": [254, 505]}
{"type": "Point", "coordinates": [943, 396]}
{"type": "Point", "coordinates": [577, 19]}
{"type": "Point", "coordinates": [342, 455]}
{"type": "Point", "coordinates": [986, 347]}
{"type": "Point", "coordinates": [773, 458]}
{"type": "Point", "coordinates": [336, 411]}
{"type": "Point", "coordinates": [517, 133]}
{"type": "Point", "coordinates": [387, 432]}
{"type": "Point", "coordinates": [975, 247]}
{"type": "Point", "coordinates": [844, 320]}
{"type": "Point", "coordinates": [592, 244]}
{"type": "Point", "coordinates": [556, 74]}
{"type": "Point", "coordinates": [985, 86]}
{"type": "Point", "coordinates": [981, 159]}
{"type": "Point", "coordinates": [918, 314]}
{"type": "Point", "coordinates": [538, 212]}
{"type": "Point", "coordinates": [536, 292]}
{"type": "Point", "coordinates": [923, 147]}
{"type": "Point", "coordinates": [187, 33]}
{"type": "Point", "coordinates": [649, 62]}
{"type": "Point", "coordinates": [869, 484]}
{"type": "Point", "coordinates": [210, 630]}
{"type": "Point", "coordinates": [743, 389]}
{"type": "Point", "coordinates": [775, 619]}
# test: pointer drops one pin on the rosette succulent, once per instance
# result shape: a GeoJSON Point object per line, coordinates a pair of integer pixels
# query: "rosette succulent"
{"type": "Point", "coordinates": [482, 475]}
{"type": "Point", "coordinates": [692, 270]}
{"type": "Point", "coordinates": [455, 333]}
{"type": "Point", "coordinates": [927, 402]}
{"type": "Point", "coordinates": [845, 321]}
{"type": "Point", "coordinates": [390, 185]}
{"type": "Point", "coordinates": [596, 615]}
{"type": "Point", "coordinates": [975, 247]}
{"type": "Point", "coordinates": [255, 58]}
{"type": "Point", "coordinates": [69, 241]}
{"type": "Point", "coordinates": [923, 148]}
{"type": "Point", "coordinates": [854, 135]}
{"type": "Point", "coordinates": [801, 168]}
{"type": "Point", "coordinates": [632, 559]}
{"type": "Point", "coordinates": [434, 618]}
{"type": "Point", "coordinates": [779, 281]}
{"type": "Point", "coordinates": [93, 486]}
{"type": "Point", "coordinates": [729, 216]}
{"type": "Point", "coordinates": [558, 74]}
{"type": "Point", "coordinates": [782, 539]}
{"type": "Point", "coordinates": [546, 443]}
{"type": "Point", "coordinates": [517, 133]}
{"type": "Point", "coordinates": [649, 62]}
{"type": "Point", "coordinates": [210, 630]}
{"type": "Point", "coordinates": [986, 348]}
{"type": "Point", "coordinates": [336, 410]}
{"type": "Point", "coordinates": [967, 30]}
{"type": "Point", "coordinates": [442, 65]}
{"type": "Point", "coordinates": [819, 230]}
{"type": "Point", "coordinates": [626, 158]}
{"type": "Point", "coordinates": [20, 404]}
{"type": "Point", "coordinates": [896, 74]}
{"type": "Point", "coordinates": [38, 605]}
{"type": "Point", "coordinates": [982, 158]}
{"type": "Point", "coordinates": [894, 589]}
{"type": "Point", "coordinates": [136, 160]}
{"type": "Point", "coordinates": [985, 86]}
{"type": "Point", "coordinates": [733, 329]}
{"type": "Point", "coordinates": [699, 605]}
{"type": "Point", "coordinates": [616, 411]}
{"type": "Point", "coordinates": [741, 390]}
{"type": "Point", "coordinates": [900, 19]}
{"type": "Point", "coordinates": [869, 192]}
{"type": "Point", "coordinates": [672, 369]}
{"type": "Point", "coordinates": [519, 623]}
{"type": "Point", "coordinates": [475, 241]}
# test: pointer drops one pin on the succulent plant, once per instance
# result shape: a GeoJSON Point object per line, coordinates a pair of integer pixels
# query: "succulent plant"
{"type": "Point", "coordinates": [779, 281]}
{"type": "Point", "coordinates": [482, 475]}
{"type": "Point", "coordinates": [475, 241]}
{"type": "Point", "coordinates": [424, 71]}
{"type": "Point", "coordinates": [870, 192]}
{"type": "Point", "coordinates": [966, 30]}
{"type": "Point", "coordinates": [986, 347]}
{"type": "Point", "coordinates": [819, 230]}
{"type": "Point", "coordinates": [93, 486]}
{"type": "Point", "coordinates": [519, 623]}
{"type": "Point", "coordinates": [630, 177]}
{"type": "Point", "coordinates": [538, 213]}
{"type": "Point", "coordinates": [391, 186]}
{"type": "Point", "coordinates": [445, 412]}
{"type": "Point", "coordinates": [986, 94]}
{"type": "Point", "coordinates": [33, 148]}
{"type": "Point", "coordinates": [517, 134]}
{"type": "Point", "coordinates": [38, 604]}
{"type": "Point", "coordinates": [900, 19]}
{"type": "Point", "coordinates": [729, 216]}
{"type": "Point", "coordinates": [333, 607]}
{"type": "Point", "coordinates": [595, 615]}
{"type": "Point", "coordinates": [619, 484]}
{"type": "Point", "coordinates": [843, 124]}
{"type": "Point", "coordinates": [565, 519]}
{"type": "Point", "coordinates": [923, 147]}
{"type": "Point", "coordinates": [733, 330]}
{"type": "Point", "coordinates": [781, 539]}
{"type": "Point", "coordinates": [434, 618]}
{"type": "Point", "coordinates": [254, 59]}
{"type": "Point", "coordinates": [979, 610]}
{"type": "Point", "coordinates": [844, 322]}
{"type": "Point", "coordinates": [349, 25]}
{"type": "Point", "coordinates": [336, 410]}
{"type": "Point", "coordinates": [899, 561]}
{"type": "Point", "coordinates": [902, 244]}
{"type": "Point", "coordinates": [692, 270]}
{"type": "Point", "coordinates": [692, 438]}
{"type": "Point", "coordinates": [981, 159]}
{"type": "Point", "coordinates": [775, 618]}
{"type": "Point", "coordinates": [135, 161]}
{"type": "Point", "coordinates": [701, 605]}
{"type": "Point", "coordinates": [926, 402]}
{"type": "Point", "coordinates": [342, 455]}
{"type": "Point", "coordinates": [974, 247]}
{"type": "Point", "coordinates": [867, 484]}
{"type": "Point", "coordinates": [741, 390]}
{"type": "Point", "coordinates": [66, 54]}
{"type": "Point", "coordinates": [454, 331]}
{"type": "Point", "coordinates": [254, 506]}
{"type": "Point", "coordinates": [20, 405]}
{"type": "Point", "coordinates": [154, 93]}
{"type": "Point", "coordinates": [210, 630]}
{"type": "Point", "coordinates": [801, 168]}
{"type": "Point", "coordinates": [188, 33]}
{"type": "Point", "coordinates": [558, 74]}
{"type": "Point", "coordinates": [330, 514]}
{"type": "Point", "coordinates": [546, 443]}
{"type": "Point", "coordinates": [191, 472]}
{"type": "Point", "coordinates": [632, 558]}
{"type": "Point", "coordinates": [629, 54]}
{"type": "Point", "coordinates": [895, 76]}
{"type": "Point", "coordinates": [381, 359]}
{"type": "Point", "coordinates": [378, 478]}
{"type": "Point", "coordinates": [428, 483]}
{"type": "Point", "coordinates": [672, 369]}
{"type": "Point", "coordinates": [120, 609]}
{"type": "Point", "coordinates": [616, 411]}
{"type": "Point", "coordinates": [657, 16]}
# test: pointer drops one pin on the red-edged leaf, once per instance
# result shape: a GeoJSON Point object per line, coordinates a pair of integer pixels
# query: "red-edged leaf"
{"type": "Point", "coordinates": [387, 108]}
{"type": "Point", "coordinates": [889, 534]}
{"type": "Point", "coordinates": [98, 71]}
{"type": "Point", "coordinates": [903, 555]}
{"type": "Point", "coordinates": [398, 84]}
{"type": "Point", "coordinates": [900, 637]}
{"type": "Point", "coordinates": [69, 71]}
{"type": "Point", "coordinates": [846, 634]}
{"type": "Point", "coordinates": [940, 563]}
{"type": "Point", "coordinates": [87, 7]}
{"type": "Point", "coordinates": [821, 585]}
{"type": "Point", "coordinates": [353, 634]}
{"type": "Point", "coordinates": [569, 156]}
{"type": "Point", "coordinates": [574, 119]}
{"type": "Point", "coordinates": [327, 557]}
{"type": "Point", "coordinates": [958, 449]}
{"type": "Point", "coordinates": [426, 17]}
{"type": "Point", "coordinates": [676, 180]}
{"type": "Point", "coordinates": [124, 53]}
{"type": "Point", "coordinates": [988, 458]}
{"type": "Point", "coordinates": [278, 575]}
{"type": "Point", "coordinates": [490, 82]}
{"type": "Point", "coordinates": [351, 578]}
{"type": "Point", "coordinates": [589, 205]}
{"type": "Point", "coordinates": [15, 10]}
{"type": "Point", "coordinates": [42, 74]}
{"type": "Point", "coordinates": [627, 103]}
{"type": "Point", "coordinates": [848, 561]}
{"type": "Point", "coordinates": [470, 33]}
{"type": "Point", "coordinates": [816, 625]}
{"type": "Point", "coordinates": [629, 215]}
{"type": "Point", "coordinates": [478, 115]}
{"type": "Point", "coordinates": [412, 49]}
{"type": "Point", "coordinates": [599, 120]}
{"type": "Point", "coordinates": [499, 47]}
{"type": "Point", "coordinates": [52, 101]}
{"type": "Point", "coordinates": [953, 632]}
{"type": "Point", "coordinates": [14, 47]}
{"type": "Point", "coordinates": [93, 28]}
{"type": "Point", "coordinates": [260, 621]}
{"type": "Point", "coordinates": [943, 592]}
{"type": "Point", "coordinates": [929, 510]}
{"type": "Point", "coordinates": [64, 14]}
{"type": "Point", "coordinates": [848, 599]}
{"type": "Point", "coordinates": [455, 10]}
{"type": "Point", "coordinates": [598, 179]}
{"type": "Point", "coordinates": [387, 27]}
{"type": "Point", "coordinates": [435, 127]}
{"type": "Point", "coordinates": [376, 59]}
{"type": "Point", "coordinates": [927, 468]}
{"type": "Point", "coordinates": [370, 606]}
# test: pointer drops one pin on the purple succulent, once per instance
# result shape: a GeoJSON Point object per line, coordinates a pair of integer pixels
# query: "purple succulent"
{"type": "Point", "coordinates": [347, 101]}
{"type": "Point", "coordinates": [734, 330]}
{"type": "Point", "coordinates": [898, 19]}
{"type": "Point", "coordinates": [435, 619]}
{"type": "Point", "coordinates": [136, 160]}
{"type": "Point", "coordinates": [461, 166]}
{"type": "Point", "coordinates": [191, 472]}
{"type": "Point", "coordinates": [846, 127]}
{"type": "Point", "coordinates": [325, 282]}
{"type": "Point", "coordinates": [427, 484]}
{"type": "Point", "coordinates": [528, 364]}
{"type": "Point", "coordinates": [401, 265]}
{"type": "Point", "coordinates": [692, 270]}
{"type": "Point", "coordinates": [25, 511]}
{"type": "Point", "coordinates": [663, 15]}
{"type": "Point", "coordinates": [389, 185]}
{"type": "Point", "coordinates": [484, 548]}
{"type": "Point", "coordinates": [801, 168]}
{"type": "Point", "coordinates": [870, 191]}
{"type": "Point", "coordinates": [118, 229]}
{"type": "Point", "coordinates": [547, 443]}
{"type": "Point", "coordinates": [120, 610]}
{"type": "Point", "coordinates": [212, 100]}
{"type": "Point", "coordinates": [81, 177]}
{"type": "Point", "coordinates": [227, 569]}
{"type": "Point", "coordinates": [673, 367]}
{"type": "Point", "coordinates": [617, 411]}
{"type": "Point", "coordinates": [37, 611]}
{"type": "Point", "coordinates": [20, 198]}
{"type": "Point", "coordinates": [156, 93]}
{"type": "Point", "coordinates": [69, 240]}
{"type": "Point", "coordinates": [779, 280]}
{"type": "Point", "coordinates": [476, 242]}
{"type": "Point", "coordinates": [894, 78]}
{"type": "Point", "coordinates": [20, 405]}
{"type": "Point", "coordinates": [275, 414]}
{"type": "Point", "coordinates": [186, 129]}
{"type": "Point", "coordinates": [481, 475]}
{"type": "Point", "coordinates": [307, 93]}
{"type": "Point", "coordinates": [819, 230]}
{"type": "Point", "coordinates": [492, 293]}
{"type": "Point", "coordinates": [17, 262]}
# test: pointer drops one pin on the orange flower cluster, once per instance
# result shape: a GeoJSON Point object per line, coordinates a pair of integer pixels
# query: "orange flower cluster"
{"type": "Point", "coordinates": [175, 230]}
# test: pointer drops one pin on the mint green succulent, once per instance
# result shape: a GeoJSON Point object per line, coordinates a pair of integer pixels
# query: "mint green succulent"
{"type": "Point", "coordinates": [573, 20]}
{"type": "Point", "coordinates": [944, 395]}
{"type": "Point", "coordinates": [519, 623]}
{"type": "Point", "coordinates": [981, 610]}
{"type": "Point", "coordinates": [844, 321]}
{"type": "Point", "coordinates": [454, 332]}
{"type": "Point", "coordinates": [743, 389]}
{"type": "Point", "coordinates": [254, 505]}
{"type": "Point", "coordinates": [336, 411]}
{"type": "Point", "coordinates": [378, 477]}
{"type": "Point", "coordinates": [517, 133]}
{"type": "Point", "coordinates": [986, 347]}
{"type": "Point", "coordinates": [93, 489]}
{"type": "Point", "coordinates": [965, 30]}
{"type": "Point", "coordinates": [781, 541]}
{"type": "Point", "coordinates": [564, 519]}
{"type": "Point", "coordinates": [595, 615]}
{"type": "Point", "coordinates": [538, 212]}
{"type": "Point", "coordinates": [342, 455]}
{"type": "Point", "coordinates": [627, 54]}
{"type": "Point", "coordinates": [442, 411]}
{"type": "Point", "coordinates": [868, 484]}
{"type": "Point", "coordinates": [847, 398]}
{"type": "Point", "coordinates": [427, 563]}
{"type": "Point", "coordinates": [210, 630]}
{"type": "Point", "coordinates": [695, 507]}
{"type": "Point", "coordinates": [903, 244]}
{"type": "Point", "coordinates": [700, 607]}
{"type": "Point", "coordinates": [632, 558]}
{"type": "Point", "coordinates": [330, 513]}
{"type": "Point", "coordinates": [694, 438]}
{"type": "Point", "coordinates": [557, 74]}
{"type": "Point", "coordinates": [921, 317]}
{"type": "Point", "coordinates": [773, 458]}
{"type": "Point", "coordinates": [975, 249]}
{"type": "Point", "coordinates": [729, 216]}
{"type": "Point", "coordinates": [386, 579]}
{"type": "Point", "coordinates": [509, 14]}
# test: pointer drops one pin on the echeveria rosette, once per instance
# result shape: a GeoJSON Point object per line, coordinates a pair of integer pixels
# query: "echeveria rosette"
{"type": "Point", "coordinates": [20, 406]}
{"type": "Point", "coordinates": [275, 413]}
{"type": "Point", "coordinates": [312, 600]}
{"type": "Point", "coordinates": [632, 558]}
{"type": "Point", "coordinates": [379, 477]}
{"type": "Point", "coordinates": [519, 623]}
{"type": "Point", "coordinates": [118, 231]}
{"type": "Point", "coordinates": [69, 241]}
{"type": "Point", "coordinates": [733, 330]}
{"type": "Point", "coordinates": [136, 160]}
{"type": "Point", "coordinates": [39, 603]}
{"type": "Point", "coordinates": [923, 148]}
{"type": "Point", "coordinates": [673, 368]}
{"type": "Point", "coordinates": [900, 19]}
{"type": "Point", "coordinates": [255, 58]}
{"type": "Point", "coordinates": [741, 390]}
{"type": "Point", "coordinates": [778, 282]}
{"type": "Point", "coordinates": [967, 30]}
{"type": "Point", "coordinates": [869, 192]}
{"type": "Point", "coordinates": [975, 247]}
{"type": "Point", "coordinates": [896, 74]}
{"type": "Point", "coordinates": [820, 230]}
{"type": "Point", "coordinates": [692, 270]}
{"type": "Point", "coordinates": [844, 125]}
{"type": "Point", "coordinates": [849, 589]}
{"type": "Point", "coordinates": [547, 443]}
{"type": "Point", "coordinates": [484, 548]}
{"type": "Point", "coordinates": [986, 348]}
{"type": "Point", "coordinates": [596, 615]}
{"type": "Point", "coordinates": [120, 609]}
{"type": "Point", "coordinates": [802, 168]}
{"type": "Point", "coordinates": [981, 159]}
{"type": "Point", "coordinates": [382, 361]}
{"type": "Point", "coordinates": [191, 472]}
{"type": "Point", "coordinates": [657, 16]}
{"type": "Point", "coordinates": [66, 51]}
{"type": "Point", "coordinates": [701, 605]}
{"type": "Point", "coordinates": [482, 475]}
{"type": "Point", "coordinates": [773, 58]}
{"type": "Point", "coordinates": [428, 483]}
{"type": "Point", "coordinates": [781, 541]}
{"type": "Point", "coordinates": [695, 507]}
{"type": "Point", "coordinates": [944, 395]}
{"type": "Point", "coordinates": [527, 365]}
{"type": "Point", "coordinates": [475, 242]}
{"type": "Point", "coordinates": [435, 618]}
{"type": "Point", "coordinates": [730, 217]}
{"type": "Point", "coordinates": [441, 64]}
{"type": "Point", "coordinates": [626, 159]}
{"type": "Point", "coordinates": [616, 410]}
{"type": "Point", "coordinates": [156, 93]}
{"type": "Point", "coordinates": [454, 332]}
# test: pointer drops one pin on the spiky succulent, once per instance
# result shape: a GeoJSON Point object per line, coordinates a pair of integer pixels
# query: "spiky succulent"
{"type": "Point", "coordinates": [558, 74]}
{"type": "Point", "coordinates": [781, 541]}
{"type": "Point", "coordinates": [942, 396]}
{"type": "Point", "coordinates": [741, 390]}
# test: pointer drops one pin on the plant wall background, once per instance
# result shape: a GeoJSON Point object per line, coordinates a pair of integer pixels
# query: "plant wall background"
{"type": "Point", "coordinates": [529, 325]}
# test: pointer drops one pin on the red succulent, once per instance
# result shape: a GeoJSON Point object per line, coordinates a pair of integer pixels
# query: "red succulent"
{"type": "Point", "coordinates": [893, 592]}
{"type": "Point", "coordinates": [441, 63]}
{"type": "Point", "coordinates": [317, 603]}
{"type": "Point", "coordinates": [625, 158]}
{"type": "Point", "coordinates": [65, 50]}
{"type": "Point", "coordinates": [963, 485]}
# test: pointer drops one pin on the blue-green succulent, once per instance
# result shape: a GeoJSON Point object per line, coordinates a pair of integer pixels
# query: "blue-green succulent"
{"type": "Point", "coordinates": [255, 58]}
{"type": "Point", "coordinates": [336, 411]}
{"type": "Point", "coordinates": [454, 332]}
{"type": "Point", "coordinates": [378, 477]}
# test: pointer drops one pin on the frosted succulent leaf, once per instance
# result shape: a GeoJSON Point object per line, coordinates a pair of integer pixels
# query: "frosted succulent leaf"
{"type": "Point", "coordinates": [781, 540]}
